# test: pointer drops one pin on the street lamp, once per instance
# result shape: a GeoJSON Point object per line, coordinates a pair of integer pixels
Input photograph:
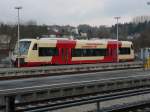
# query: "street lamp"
{"type": "Point", "coordinates": [117, 18]}
{"type": "Point", "coordinates": [18, 8]}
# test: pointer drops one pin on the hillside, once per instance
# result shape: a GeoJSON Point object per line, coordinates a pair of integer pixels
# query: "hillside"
{"type": "Point", "coordinates": [138, 33]}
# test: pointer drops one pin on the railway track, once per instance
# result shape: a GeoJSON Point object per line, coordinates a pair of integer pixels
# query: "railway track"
{"type": "Point", "coordinates": [52, 90]}
{"type": "Point", "coordinates": [142, 106]}
{"type": "Point", "coordinates": [16, 73]}
{"type": "Point", "coordinates": [54, 104]}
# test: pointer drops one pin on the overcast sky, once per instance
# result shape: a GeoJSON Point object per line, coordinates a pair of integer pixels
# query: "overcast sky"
{"type": "Point", "coordinates": [73, 12]}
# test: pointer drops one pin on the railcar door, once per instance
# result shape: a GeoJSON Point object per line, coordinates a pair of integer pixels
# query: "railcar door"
{"type": "Point", "coordinates": [65, 55]}
{"type": "Point", "coordinates": [114, 55]}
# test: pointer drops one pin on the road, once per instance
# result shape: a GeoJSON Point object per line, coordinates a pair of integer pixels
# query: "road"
{"type": "Point", "coordinates": [59, 80]}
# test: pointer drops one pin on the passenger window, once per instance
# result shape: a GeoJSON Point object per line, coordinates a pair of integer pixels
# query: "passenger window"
{"type": "Point", "coordinates": [124, 51]}
{"type": "Point", "coordinates": [48, 51]}
{"type": "Point", "coordinates": [35, 47]}
{"type": "Point", "coordinates": [89, 52]}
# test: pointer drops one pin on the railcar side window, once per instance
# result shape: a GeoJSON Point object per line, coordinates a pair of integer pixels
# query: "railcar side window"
{"type": "Point", "coordinates": [48, 51]}
{"type": "Point", "coordinates": [89, 52]}
{"type": "Point", "coordinates": [131, 46]}
{"type": "Point", "coordinates": [35, 47]}
{"type": "Point", "coordinates": [124, 50]}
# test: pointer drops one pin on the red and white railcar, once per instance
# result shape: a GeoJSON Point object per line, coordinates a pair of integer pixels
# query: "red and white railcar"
{"type": "Point", "coordinates": [46, 51]}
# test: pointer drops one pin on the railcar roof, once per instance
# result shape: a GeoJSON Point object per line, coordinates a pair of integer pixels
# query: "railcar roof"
{"type": "Point", "coordinates": [28, 39]}
{"type": "Point", "coordinates": [81, 41]}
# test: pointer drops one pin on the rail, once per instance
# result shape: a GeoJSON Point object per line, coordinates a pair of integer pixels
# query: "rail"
{"type": "Point", "coordinates": [8, 73]}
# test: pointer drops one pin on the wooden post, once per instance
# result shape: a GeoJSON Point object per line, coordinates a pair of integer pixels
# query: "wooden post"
{"type": "Point", "coordinates": [98, 107]}
{"type": "Point", "coordinates": [10, 104]}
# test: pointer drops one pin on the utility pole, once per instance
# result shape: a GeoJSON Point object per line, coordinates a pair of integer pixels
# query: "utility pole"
{"type": "Point", "coordinates": [18, 57]}
{"type": "Point", "coordinates": [117, 51]}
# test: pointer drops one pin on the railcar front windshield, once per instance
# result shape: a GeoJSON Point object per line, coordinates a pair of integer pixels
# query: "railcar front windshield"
{"type": "Point", "coordinates": [23, 47]}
